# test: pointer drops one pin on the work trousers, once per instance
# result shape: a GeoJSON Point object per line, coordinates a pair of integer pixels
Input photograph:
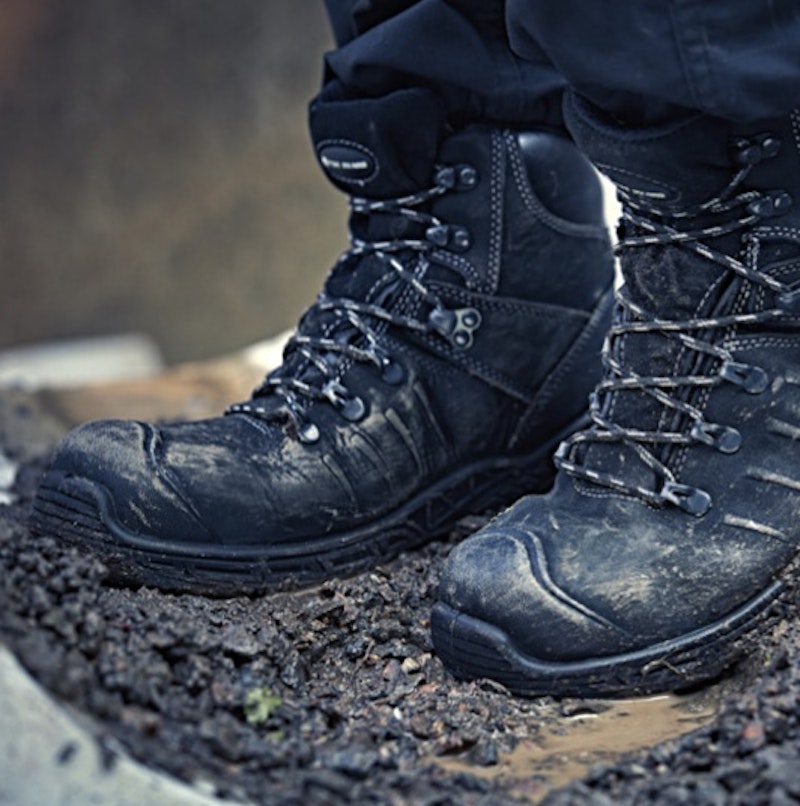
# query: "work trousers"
{"type": "Point", "coordinates": [509, 61]}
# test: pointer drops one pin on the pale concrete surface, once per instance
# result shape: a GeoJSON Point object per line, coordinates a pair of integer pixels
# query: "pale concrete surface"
{"type": "Point", "coordinates": [48, 758]}
{"type": "Point", "coordinates": [75, 362]}
{"type": "Point", "coordinates": [8, 474]}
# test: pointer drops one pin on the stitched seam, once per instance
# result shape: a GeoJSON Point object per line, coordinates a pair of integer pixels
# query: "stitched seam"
{"type": "Point", "coordinates": [539, 309]}
{"type": "Point", "coordinates": [479, 368]}
{"type": "Point", "coordinates": [471, 275]}
{"type": "Point", "coordinates": [496, 212]}
{"type": "Point", "coordinates": [563, 367]}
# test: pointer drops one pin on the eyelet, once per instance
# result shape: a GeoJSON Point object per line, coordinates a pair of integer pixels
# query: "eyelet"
{"type": "Point", "coordinates": [353, 409]}
{"type": "Point", "coordinates": [722, 437]}
{"type": "Point", "coordinates": [761, 147]}
{"type": "Point", "coordinates": [447, 236]}
{"type": "Point", "coordinates": [308, 434]}
{"type": "Point", "coordinates": [456, 325]}
{"type": "Point", "coordinates": [690, 499]}
{"type": "Point", "coordinates": [752, 379]}
{"type": "Point", "coordinates": [456, 177]}
{"type": "Point", "coordinates": [772, 204]}
{"type": "Point", "coordinates": [391, 372]}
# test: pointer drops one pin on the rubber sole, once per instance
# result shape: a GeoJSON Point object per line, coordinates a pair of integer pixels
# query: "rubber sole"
{"type": "Point", "coordinates": [81, 512]}
{"type": "Point", "coordinates": [473, 649]}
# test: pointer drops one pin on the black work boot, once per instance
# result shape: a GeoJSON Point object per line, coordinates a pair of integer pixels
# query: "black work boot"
{"type": "Point", "coordinates": [453, 346]}
{"type": "Point", "coordinates": [672, 532]}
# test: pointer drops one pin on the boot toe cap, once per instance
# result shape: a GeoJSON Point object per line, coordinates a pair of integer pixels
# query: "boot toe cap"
{"type": "Point", "coordinates": [118, 463]}
{"type": "Point", "coordinates": [100, 448]}
{"type": "Point", "coordinates": [500, 576]}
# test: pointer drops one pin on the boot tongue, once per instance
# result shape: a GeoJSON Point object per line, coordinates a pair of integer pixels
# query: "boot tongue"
{"type": "Point", "coordinates": [667, 171]}
{"type": "Point", "coordinates": [378, 148]}
{"type": "Point", "coordinates": [675, 169]}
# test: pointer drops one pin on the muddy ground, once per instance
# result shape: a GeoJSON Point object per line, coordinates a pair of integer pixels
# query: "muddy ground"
{"type": "Point", "coordinates": [333, 695]}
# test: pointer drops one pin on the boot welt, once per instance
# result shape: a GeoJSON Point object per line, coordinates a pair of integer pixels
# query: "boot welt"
{"type": "Point", "coordinates": [472, 649]}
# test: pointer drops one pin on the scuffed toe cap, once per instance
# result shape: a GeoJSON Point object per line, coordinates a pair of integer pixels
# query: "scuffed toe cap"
{"type": "Point", "coordinates": [118, 462]}
{"type": "Point", "coordinates": [100, 448]}
{"type": "Point", "coordinates": [502, 578]}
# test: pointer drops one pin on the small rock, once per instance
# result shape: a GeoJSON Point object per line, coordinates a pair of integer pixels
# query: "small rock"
{"type": "Point", "coordinates": [410, 665]}
{"type": "Point", "coordinates": [752, 737]}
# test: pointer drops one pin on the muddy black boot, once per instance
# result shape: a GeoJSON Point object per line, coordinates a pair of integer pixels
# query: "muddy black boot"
{"type": "Point", "coordinates": [452, 347]}
{"type": "Point", "coordinates": [672, 533]}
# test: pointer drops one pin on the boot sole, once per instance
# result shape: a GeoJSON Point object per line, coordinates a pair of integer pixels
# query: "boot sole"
{"type": "Point", "coordinates": [81, 512]}
{"type": "Point", "coordinates": [473, 649]}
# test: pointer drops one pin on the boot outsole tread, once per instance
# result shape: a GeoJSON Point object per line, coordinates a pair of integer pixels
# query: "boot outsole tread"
{"type": "Point", "coordinates": [473, 649]}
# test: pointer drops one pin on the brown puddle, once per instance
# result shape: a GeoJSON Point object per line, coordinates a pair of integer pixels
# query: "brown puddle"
{"type": "Point", "coordinates": [568, 746]}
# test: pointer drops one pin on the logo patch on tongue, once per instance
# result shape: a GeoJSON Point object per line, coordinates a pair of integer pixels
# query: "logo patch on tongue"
{"type": "Point", "coordinates": [347, 162]}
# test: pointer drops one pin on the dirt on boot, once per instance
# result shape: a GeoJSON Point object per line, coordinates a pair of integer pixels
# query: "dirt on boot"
{"type": "Point", "coordinates": [333, 695]}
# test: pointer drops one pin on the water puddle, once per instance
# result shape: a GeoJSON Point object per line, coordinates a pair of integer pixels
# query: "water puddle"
{"type": "Point", "coordinates": [567, 747]}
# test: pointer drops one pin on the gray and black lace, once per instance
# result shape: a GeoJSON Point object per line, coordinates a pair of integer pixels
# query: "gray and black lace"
{"type": "Point", "coordinates": [732, 210]}
{"type": "Point", "coordinates": [347, 329]}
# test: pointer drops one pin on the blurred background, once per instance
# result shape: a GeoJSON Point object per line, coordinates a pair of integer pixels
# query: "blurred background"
{"type": "Point", "coordinates": [155, 171]}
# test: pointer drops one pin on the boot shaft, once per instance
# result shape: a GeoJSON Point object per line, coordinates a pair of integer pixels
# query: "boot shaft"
{"type": "Point", "coordinates": [709, 246]}
{"type": "Point", "coordinates": [503, 238]}
{"type": "Point", "coordinates": [671, 177]}
{"type": "Point", "coordinates": [521, 214]}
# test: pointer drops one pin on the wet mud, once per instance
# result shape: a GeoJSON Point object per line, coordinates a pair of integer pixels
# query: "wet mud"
{"type": "Point", "coordinates": [334, 695]}
{"type": "Point", "coordinates": [568, 745]}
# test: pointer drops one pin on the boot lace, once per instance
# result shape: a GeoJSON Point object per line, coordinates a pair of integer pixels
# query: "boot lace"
{"type": "Point", "coordinates": [733, 209]}
{"type": "Point", "coordinates": [345, 329]}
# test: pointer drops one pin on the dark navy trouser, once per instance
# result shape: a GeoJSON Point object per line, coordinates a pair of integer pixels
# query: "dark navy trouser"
{"type": "Point", "coordinates": [643, 61]}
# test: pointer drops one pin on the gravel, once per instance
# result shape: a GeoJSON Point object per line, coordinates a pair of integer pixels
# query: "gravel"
{"type": "Point", "coordinates": [334, 695]}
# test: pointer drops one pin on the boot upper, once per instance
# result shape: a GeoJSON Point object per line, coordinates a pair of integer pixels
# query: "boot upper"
{"type": "Point", "coordinates": [679, 503]}
{"type": "Point", "coordinates": [440, 340]}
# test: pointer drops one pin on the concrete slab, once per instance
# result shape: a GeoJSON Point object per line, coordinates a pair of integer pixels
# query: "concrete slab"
{"type": "Point", "coordinates": [75, 362]}
{"type": "Point", "coordinates": [48, 757]}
